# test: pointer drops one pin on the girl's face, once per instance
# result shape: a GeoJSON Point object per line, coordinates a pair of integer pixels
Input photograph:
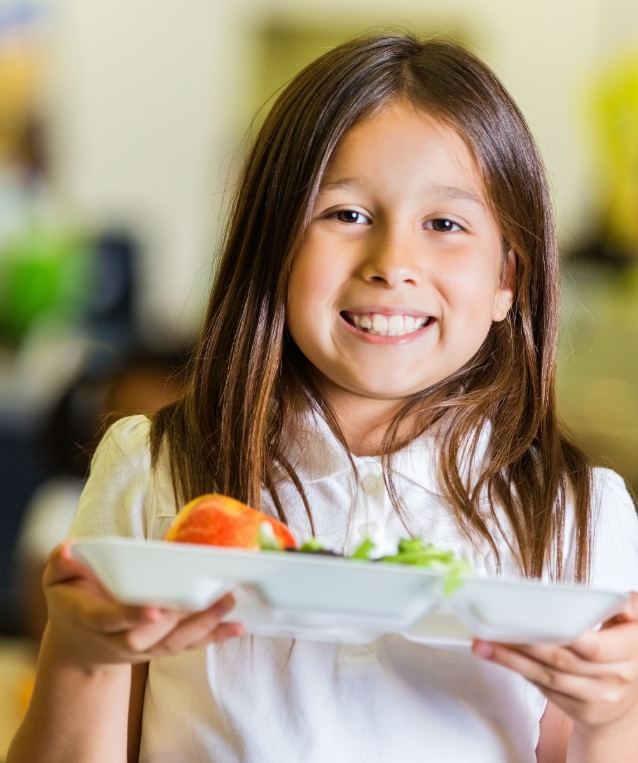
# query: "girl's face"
{"type": "Point", "coordinates": [401, 270]}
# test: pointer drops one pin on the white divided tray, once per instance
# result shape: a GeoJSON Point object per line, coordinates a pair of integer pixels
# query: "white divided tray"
{"type": "Point", "coordinates": [324, 598]}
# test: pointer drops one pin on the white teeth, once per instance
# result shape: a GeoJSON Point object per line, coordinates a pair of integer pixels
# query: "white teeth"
{"type": "Point", "coordinates": [382, 325]}
{"type": "Point", "coordinates": [379, 323]}
{"type": "Point", "coordinates": [395, 324]}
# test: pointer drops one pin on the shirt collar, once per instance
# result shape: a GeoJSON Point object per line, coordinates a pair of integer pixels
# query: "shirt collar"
{"type": "Point", "coordinates": [316, 455]}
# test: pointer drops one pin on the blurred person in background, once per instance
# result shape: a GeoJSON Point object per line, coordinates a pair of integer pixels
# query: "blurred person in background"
{"type": "Point", "coordinates": [142, 382]}
{"type": "Point", "coordinates": [67, 319]}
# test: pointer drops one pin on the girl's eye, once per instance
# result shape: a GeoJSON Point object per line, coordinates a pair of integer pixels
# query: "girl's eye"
{"type": "Point", "coordinates": [350, 216]}
{"type": "Point", "coordinates": [442, 225]}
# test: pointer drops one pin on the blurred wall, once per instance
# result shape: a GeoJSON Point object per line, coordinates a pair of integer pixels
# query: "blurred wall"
{"type": "Point", "coordinates": [143, 115]}
{"type": "Point", "coordinates": [150, 97]}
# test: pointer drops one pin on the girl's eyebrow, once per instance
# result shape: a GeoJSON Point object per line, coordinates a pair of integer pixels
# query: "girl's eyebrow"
{"type": "Point", "coordinates": [331, 185]}
{"type": "Point", "coordinates": [437, 190]}
{"type": "Point", "coordinates": [450, 192]}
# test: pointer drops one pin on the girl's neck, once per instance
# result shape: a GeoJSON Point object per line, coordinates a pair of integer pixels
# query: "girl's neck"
{"type": "Point", "coordinates": [363, 421]}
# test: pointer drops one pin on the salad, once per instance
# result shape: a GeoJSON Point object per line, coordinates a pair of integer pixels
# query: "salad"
{"type": "Point", "coordinates": [411, 551]}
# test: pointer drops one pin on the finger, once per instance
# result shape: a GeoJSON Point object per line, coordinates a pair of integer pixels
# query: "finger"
{"type": "Point", "coordinates": [223, 632]}
{"type": "Point", "coordinates": [615, 643]}
{"type": "Point", "coordinates": [65, 569]}
{"type": "Point", "coordinates": [628, 615]}
{"type": "Point", "coordinates": [564, 659]}
{"type": "Point", "coordinates": [572, 707]}
{"type": "Point", "coordinates": [582, 688]}
{"type": "Point", "coordinates": [190, 630]}
{"type": "Point", "coordinates": [148, 636]}
{"type": "Point", "coordinates": [62, 567]}
{"type": "Point", "coordinates": [144, 636]}
{"type": "Point", "coordinates": [97, 612]}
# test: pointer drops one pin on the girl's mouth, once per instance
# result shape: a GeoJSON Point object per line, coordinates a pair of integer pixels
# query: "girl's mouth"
{"type": "Point", "coordinates": [378, 324]}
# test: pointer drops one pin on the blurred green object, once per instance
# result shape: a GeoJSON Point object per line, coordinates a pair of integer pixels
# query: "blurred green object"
{"type": "Point", "coordinates": [615, 122]}
{"type": "Point", "coordinates": [43, 276]}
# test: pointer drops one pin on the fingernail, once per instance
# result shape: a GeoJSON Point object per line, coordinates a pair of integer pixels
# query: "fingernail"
{"type": "Point", "coordinates": [223, 606]}
{"type": "Point", "coordinates": [237, 630]}
{"type": "Point", "coordinates": [151, 615]}
{"type": "Point", "coordinates": [483, 650]}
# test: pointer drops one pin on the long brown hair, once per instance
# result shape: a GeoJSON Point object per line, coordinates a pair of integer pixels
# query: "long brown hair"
{"type": "Point", "coordinates": [249, 382]}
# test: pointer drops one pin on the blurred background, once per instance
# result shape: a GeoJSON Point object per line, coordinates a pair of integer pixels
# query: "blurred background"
{"type": "Point", "coordinates": [121, 130]}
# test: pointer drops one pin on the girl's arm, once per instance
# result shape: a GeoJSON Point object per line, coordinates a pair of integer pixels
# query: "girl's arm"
{"type": "Point", "coordinates": [556, 729]}
{"type": "Point", "coordinates": [80, 706]}
{"type": "Point", "coordinates": [594, 682]}
{"type": "Point", "coordinates": [75, 714]}
{"type": "Point", "coordinates": [139, 674]}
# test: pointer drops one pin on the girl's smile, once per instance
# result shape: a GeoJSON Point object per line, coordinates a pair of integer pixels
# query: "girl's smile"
{"type": "Point", "coordinates": [381, 325]}
{"type": "Point", "coordinates": [402, 268]}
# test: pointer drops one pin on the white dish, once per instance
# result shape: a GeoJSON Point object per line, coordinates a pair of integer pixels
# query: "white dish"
{"type": "Point", "coordinates": [515, 611]}
{"type": "Point", "coordinates": [332, 599]}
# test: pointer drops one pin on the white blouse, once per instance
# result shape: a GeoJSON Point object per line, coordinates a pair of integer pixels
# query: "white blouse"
{"type": "Point", "coordinates": [270, 700]}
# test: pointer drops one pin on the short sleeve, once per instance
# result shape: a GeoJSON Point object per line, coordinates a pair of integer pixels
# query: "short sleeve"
{"type": "Point", "coordinates": [615, 534]}
{"type": "Point", "coordinates": [116, 500]}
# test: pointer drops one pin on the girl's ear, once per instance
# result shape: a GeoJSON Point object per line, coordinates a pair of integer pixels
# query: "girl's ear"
{"type": "Point", "coordinates": [506, 292]}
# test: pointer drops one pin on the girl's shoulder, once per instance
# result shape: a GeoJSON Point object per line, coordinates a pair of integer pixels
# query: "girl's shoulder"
{"type": "Point", "coordinates": [126, 442]}
{"type": "Point", "coordinates": [614, 536]}
{"type": "Point", "coordinates": [611, 499]}
{"type": "Point", "coordinates": [124, 495]}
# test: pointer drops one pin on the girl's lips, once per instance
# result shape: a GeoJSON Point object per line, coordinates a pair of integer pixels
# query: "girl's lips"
{"type": "Point", "coordinates": [380, 339]}
{"type": "Point", "coordinates": [385, 310]}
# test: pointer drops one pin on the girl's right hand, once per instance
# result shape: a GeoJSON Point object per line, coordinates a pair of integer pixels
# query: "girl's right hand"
{"type": "Point", "coordinates": [89, 628]}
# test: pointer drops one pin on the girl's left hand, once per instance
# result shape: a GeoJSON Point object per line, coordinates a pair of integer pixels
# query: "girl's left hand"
{"type": "Point", "coordinates": [594, 680]}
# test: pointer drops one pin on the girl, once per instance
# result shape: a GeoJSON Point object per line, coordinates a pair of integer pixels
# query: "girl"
{"type": "Point", "coordinates": [378, 354]}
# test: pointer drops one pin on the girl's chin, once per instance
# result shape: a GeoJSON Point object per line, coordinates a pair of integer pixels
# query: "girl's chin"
{"type": "Point", "coordinates": [390, 391]}
{"type": "Point", "coordinates": [373, 381]}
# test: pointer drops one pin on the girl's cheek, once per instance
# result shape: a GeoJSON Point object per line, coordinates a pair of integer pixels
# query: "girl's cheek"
{"type": "Point", "coordinates": [469, 296]}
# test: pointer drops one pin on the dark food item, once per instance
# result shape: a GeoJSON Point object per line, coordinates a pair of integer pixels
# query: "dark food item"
{"type": "Point", "coordinates": [316, 551]}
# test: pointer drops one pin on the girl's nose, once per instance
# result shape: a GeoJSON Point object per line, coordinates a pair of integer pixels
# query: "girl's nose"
{"type": "Point", "coordinates": [391, 261]}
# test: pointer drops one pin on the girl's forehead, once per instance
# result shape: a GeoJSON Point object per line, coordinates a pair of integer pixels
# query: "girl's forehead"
{"type": "Point", "coordinates": [401, 140]}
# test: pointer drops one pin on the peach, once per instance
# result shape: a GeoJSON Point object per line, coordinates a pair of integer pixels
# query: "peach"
{"type": "Point", "coordinates": [218, 520]}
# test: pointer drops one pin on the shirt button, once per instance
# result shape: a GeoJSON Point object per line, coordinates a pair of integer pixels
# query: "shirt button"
{"type": "Point", "coordinates": [371, 483]}
{"type": "Point", "coordinates": [367, 530]}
